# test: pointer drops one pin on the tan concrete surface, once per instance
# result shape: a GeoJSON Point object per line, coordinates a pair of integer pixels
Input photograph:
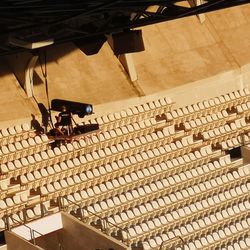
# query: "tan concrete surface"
{"type": "Point", "coordinates": [14, 105]}
{"type": "Point", "coordinates": [183, 51]}
{"type": "Point", "coordinates": [93, 79]}
{"type": "Point", "coordinates": [212, 57]}
{"type": "Point", "coordinates": [233, 30]}
{"type": "Point", "coordinates": [50, 241]}
{"type": "Point", "coordinates": [15, 242]}
{"type": "Point", "coordinates": [78, 235]}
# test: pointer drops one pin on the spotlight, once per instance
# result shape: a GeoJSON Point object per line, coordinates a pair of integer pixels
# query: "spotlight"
{"type": "Point", "coordinates": [76, 108]}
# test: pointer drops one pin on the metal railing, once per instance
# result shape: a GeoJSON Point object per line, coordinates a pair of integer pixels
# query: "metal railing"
{"type": "Point", "coordinates": [176, 242]}
{"type": "Point", "coordinates": [104, 222]}
{"type": "Point", "coordinates": [170, 244]}
{"type": "Point", "coordinates": [32, 232]}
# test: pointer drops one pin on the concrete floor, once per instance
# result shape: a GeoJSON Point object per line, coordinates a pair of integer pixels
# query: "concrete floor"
{"type": "Point", "coordinates": [181, 56]}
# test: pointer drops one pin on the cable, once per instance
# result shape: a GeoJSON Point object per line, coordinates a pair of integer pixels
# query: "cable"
{"type": "Point", "coordinates": [44, 72]}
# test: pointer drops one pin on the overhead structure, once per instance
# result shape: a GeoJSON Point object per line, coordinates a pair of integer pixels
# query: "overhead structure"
{"type": "Point", "coordinates": [45, 22]}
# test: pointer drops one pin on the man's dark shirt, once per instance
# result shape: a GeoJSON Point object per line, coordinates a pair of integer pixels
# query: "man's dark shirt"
{"type": "Point", "coordinates": [65, 118]}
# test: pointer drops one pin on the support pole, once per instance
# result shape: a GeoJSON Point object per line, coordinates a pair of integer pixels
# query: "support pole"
{"type": "Point", "coordinates": [29, 71]}
{"type": "Point", "coordinates": [194, 3]}
{"type": "Point", "coordinates": [128, 63]}
{"type": "Point", "coordinates": [22, 65]}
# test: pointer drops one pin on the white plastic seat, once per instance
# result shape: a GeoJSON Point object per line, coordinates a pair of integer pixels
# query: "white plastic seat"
{"type": "Point", "coordinates": [30, 214]}
{"type": "Point", "coordinates": [18, 129]}
{"type": "Point", "coordinates": [57, 185]}
{"type": "Point", "coordinates": [18, 146]}
{"type": "Point", "coordinates": [90, 192]}
{"type": "Point", "coordinates": [123, 114]}
{"type": "Point", "coordinates": [195, 226]}
{"type": "Point", "coordinates": [115, 183]}
{"type": "Point", "coordinates": [247, 241]}
{"type": "Point", "coordinates": [57, 151]}
{"type": "Point", "coordinates": [198, 244]}
{"type": "Point", "coordinates": [5, 169]}
{"type": "Point", "coordinates": [5, 150]}
{"type": "Point", "coordinates": [26, 127]}
{"type": "Point", "coordinates": [5, 132]}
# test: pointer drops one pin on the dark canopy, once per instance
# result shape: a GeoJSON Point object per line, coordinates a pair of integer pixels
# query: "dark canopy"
{"type": "Point", "coordinates": [28, 21]}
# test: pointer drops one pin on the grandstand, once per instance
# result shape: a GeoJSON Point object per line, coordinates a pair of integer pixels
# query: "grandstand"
{"type": "Point", "coordinates": [169, 167]}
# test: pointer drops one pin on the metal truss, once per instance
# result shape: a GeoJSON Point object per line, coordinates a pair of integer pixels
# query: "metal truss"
{"type": "Point", "coordinates": [69, 20]}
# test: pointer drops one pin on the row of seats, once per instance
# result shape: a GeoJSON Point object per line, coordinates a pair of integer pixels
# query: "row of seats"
{"type": "Point", "coordinates": [230, 233]}
{"type": "Point", "coordinates": [134, 114]}
{"type": "Point", "coordinates": [172, 168]}
{"type": "Point", "coordinates": [23, 148]}
{"type": "Point", "coordinates": [17, 133]}
{"type": "Point", "coordinates": [207, 122]}
{"type": "Point", "coordinates": [100, 157]}
{"type": "Point", "coordinates": [160, 206]}
{"type": "Point", "coordinates": [82, 144]}
{"type": "Point", "coordinates": [207, 107]}
{"type": "Point", "coordinates": [232, 237]}
{"type": "Point", "coordinates": [5, 168]}
{"type": "Point", "coordinates": [242, 108]}
{"type": "Point", "coordinates": [144, 176]}
{"type": "Point", "coordinates": [226, 132]}
{"type": "Point", "coordinates": [242, 244]}
{"type": "Point", "coordinates": [126, 133]}
{"type": "Point", "coordinates": [155, 191]}
{"type": "Point", "coordinates": [198, 227]}
{"type": "Point", "coordinates": [27, 214]}
{"type": "Point", "coordinates": [235, 142]}
{"type": "Point", "coordinates": [136, 171]}
{"type": "Point", "coordinates": [160, 187]}
{"type": "Point", "coordinates": [175, 219]}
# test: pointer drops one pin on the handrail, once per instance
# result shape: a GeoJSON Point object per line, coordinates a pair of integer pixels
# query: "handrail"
{"type": "Point", "coordinates": [164, 243]}
{"type": "Point", "coordinates": [32, 232]}
{"type": "Point", "coordinates": [102, 219]}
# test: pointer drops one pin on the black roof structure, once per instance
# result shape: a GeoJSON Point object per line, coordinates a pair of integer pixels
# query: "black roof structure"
{"type": "Point", "coordinates": [29, 21]}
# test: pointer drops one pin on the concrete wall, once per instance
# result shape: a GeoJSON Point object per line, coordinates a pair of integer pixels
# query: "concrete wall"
{"type": "Point", "coordinates": [43, 226]}
{"type": "Point", "coordinates": [184, 50]}
{"type": "Point", "coordinates": [18, 64]}
{"type": "Point", "coordinates": [77, 235]}
{"type": "Point", "coordinates": [70, 233]}
{"type": "Point", "coordinates": [72, 75]}
{"type": "Point", "coordinates": [245, 151]}
{"type": "Point", "coordinates": [50, 241]}
{"type": "Point", "coordinates": [212, 57]}
{"type": "Point", "coordinates": [177, 53]}
{"type": "Point", "coordinates": [14, 242]}
{"type": "Point", "coordinates": [15, 106]}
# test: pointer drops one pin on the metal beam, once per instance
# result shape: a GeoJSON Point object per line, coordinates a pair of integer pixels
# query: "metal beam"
{"type": "Point", "coordinates": [67, 20]}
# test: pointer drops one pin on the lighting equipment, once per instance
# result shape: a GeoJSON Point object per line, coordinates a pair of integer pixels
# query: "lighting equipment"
{"type": "Point", "coordinates": [77, 108]}
{"type": "Point", "coordinates": [127, 42]}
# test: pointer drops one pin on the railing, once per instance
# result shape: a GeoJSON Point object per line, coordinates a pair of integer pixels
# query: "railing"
{"type": "Point", "coordinates": [174, 243]}
{"type": "Point", "coordinates": [105, 223]}
{"type": "Point", "coordinates": [31, 230]}
{"type": "Point", "coordinates": [171, 244]}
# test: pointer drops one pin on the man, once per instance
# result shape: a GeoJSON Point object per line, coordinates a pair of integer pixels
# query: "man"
{"type": "Point", "coordinates": [65, 120]}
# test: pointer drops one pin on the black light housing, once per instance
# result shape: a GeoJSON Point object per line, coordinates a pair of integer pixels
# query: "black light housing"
{"type": "Point", "coordinates": [90, 45]}
{"type": "Point", "coordinates": [128, 41]}
{"type": "Point", "coordinates": [76, 108]}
